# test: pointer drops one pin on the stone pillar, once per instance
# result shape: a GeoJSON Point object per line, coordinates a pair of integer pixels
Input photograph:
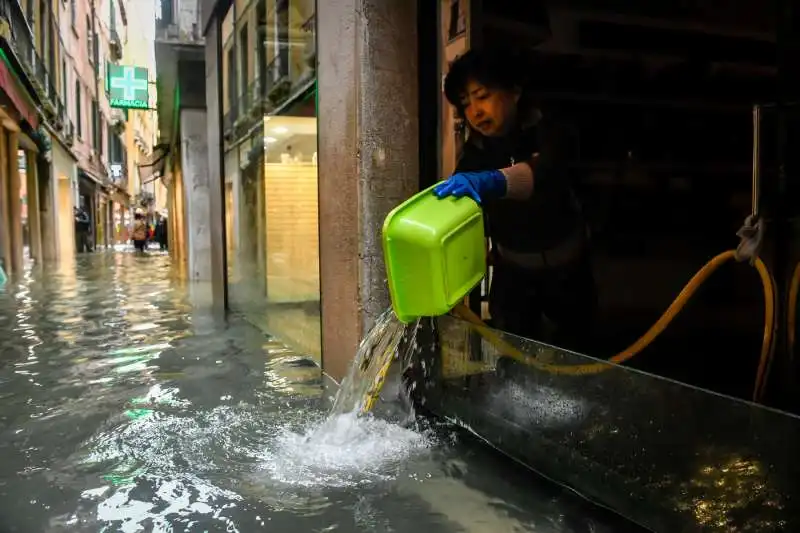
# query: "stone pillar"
{"type": "Point", "coordinates": [34, 205]}
{"type": "Point", "coordinates": [181, 232]}
{"type": "Point", "coordinates": [5, 219]}
{"type": "Point", "coordinates": [178, 242]}
{"type": "Point", "coordinates": [15, 202]}
{"type": "Point", "coordinates": [215, 162]}
{"type": "Point", "coordinates": [197, 193]}
{"type": "Point", "coordinates": [173, 212]}
{"type": "Point", "coordinates": [368, 157]}
{"type": "Point", "coordinates": [94, 212]}
{"type": "Point", "coordinates": [47, 183]}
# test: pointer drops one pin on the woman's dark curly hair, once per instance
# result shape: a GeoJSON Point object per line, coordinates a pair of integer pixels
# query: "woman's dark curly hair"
{"type": "Point", "coordinates": [497, 67]}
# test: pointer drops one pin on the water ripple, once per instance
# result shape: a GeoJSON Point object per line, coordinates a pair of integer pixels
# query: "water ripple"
{"type": "Point", "coordinates": [124, 406]}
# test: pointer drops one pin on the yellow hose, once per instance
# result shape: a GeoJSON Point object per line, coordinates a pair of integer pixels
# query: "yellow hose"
{"type": "Point", "coordinates": [661, 324]}
{"type": "Point", "coordinates": [791, 312]}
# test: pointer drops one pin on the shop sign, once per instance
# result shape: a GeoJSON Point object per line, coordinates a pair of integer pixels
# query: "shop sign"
{"type": "Point", "coordinates": [128, 87]}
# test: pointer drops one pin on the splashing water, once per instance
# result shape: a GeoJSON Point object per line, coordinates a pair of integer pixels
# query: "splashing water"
{"type": "Point", "coordinates": [350, 446]}
{"type": "Point", "coordinates": [375, 354]}
{"type": "Point", "coordinates": [343, 451]}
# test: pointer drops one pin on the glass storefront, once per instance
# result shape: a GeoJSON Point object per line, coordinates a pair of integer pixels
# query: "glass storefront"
{"type": "Point", "coordinates": [271, 195]}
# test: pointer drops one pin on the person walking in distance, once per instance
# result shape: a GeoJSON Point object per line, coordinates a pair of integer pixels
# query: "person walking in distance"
{"type": "Point", "coordinates": [139, 234]}
{"type": "Point", "coordinates": [83, 230]}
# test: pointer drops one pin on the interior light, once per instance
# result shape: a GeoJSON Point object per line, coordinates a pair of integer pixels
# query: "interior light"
{"type": "Point", "coordinates": [280, 130]}
{"type": "Point", "coordinates": [270, 140]}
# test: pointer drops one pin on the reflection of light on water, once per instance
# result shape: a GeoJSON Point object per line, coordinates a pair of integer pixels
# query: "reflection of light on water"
{"type": "Point", "coordinates": [143, 326]}
{"type": "Point", "coordinates": [344, 450]}
{"type": "Point", "coordinates": [177, 501]}
{"type": "Point", "coordinates": [721, 491]}
{"type": "Point", "coordinates": [163, 396]}
{"type": "Point", "coordinates": [140, 349]}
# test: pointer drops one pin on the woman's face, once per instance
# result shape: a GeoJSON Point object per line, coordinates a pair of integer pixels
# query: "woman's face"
{"type": "Point", "coordinates": [491, 112]}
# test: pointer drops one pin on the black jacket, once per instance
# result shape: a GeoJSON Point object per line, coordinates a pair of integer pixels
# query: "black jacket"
{"type": "Point", "coordinates": [82, 220]}
{"type": "Point", "coordinates": [552, 213]}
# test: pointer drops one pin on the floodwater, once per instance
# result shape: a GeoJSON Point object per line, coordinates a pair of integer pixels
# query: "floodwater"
{"type": "Point", "coordinates": [126, 406]}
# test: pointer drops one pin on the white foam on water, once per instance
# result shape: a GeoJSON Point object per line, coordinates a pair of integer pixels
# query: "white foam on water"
{"type": "Point", "coordinates": [342, 451]}
{"type": "Point", "coordinates": [348, 449]}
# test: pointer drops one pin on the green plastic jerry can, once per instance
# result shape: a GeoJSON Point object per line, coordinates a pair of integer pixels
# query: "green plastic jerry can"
{"type": "Point", "coordinates": [435, 254]}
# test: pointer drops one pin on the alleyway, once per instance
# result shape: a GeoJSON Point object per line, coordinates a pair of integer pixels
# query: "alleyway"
{"type": "Point", "coordinates": [125, 407]}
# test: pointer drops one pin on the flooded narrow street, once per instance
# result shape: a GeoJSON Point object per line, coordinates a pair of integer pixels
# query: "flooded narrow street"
{"type": "Point", "coordinates": [125, 406]}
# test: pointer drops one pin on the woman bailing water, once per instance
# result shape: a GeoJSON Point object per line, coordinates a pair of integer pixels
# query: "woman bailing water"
{"type": "Point", "coordinates": [514, 165]}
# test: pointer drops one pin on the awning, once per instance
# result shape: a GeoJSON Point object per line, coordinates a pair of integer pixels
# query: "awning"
{"type": "Point", "coordinates": [152, 167]}
{"type": "Point", "coordinates": [120, 197]}
{"type": "Point", "coordinates": [9, 84]}
{"type": "Point", "coordinates": [26, 143]}
{"type": "Point", "coordinates": [89, 177]}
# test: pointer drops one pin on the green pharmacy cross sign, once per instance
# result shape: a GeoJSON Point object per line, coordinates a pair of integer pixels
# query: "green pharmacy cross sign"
{"type": "Point", "coordinates": [128, 87]}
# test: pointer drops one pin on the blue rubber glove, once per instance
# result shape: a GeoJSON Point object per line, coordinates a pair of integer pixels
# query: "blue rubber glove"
{"type": "Point", "coordinates": [477, 185]}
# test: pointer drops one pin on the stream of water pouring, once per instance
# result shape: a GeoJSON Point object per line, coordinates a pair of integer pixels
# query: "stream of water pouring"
{"type": "Point", "coordinates": [375, 354]}
{"type": "Point", "coordinates": [347, 447]}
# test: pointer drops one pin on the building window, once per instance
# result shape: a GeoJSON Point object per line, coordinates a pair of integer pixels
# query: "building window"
{"type": "Point", "coordinates": [78, 116]}
{"type": "Point", "coordinates": [30, 14]}
{"type": "Point", "coordinates": [64, 84]}
{"type": "Point", "coordinates": [458, 19]}
{"type": "Point", "coordinates": [95, 126]}
{"type": "Point", "coordinates": [114, 146]}
{"type": "Point", "coordinates": [232, 89]}
{"type": "Point", "coordinates": [281, 33]}
{"type": "Point", "coordinates": [243, 68]}
{"type": "Point", "coordinates": [165, 15]}
{"type": "Point", "coordinates": [101, 138]}
{"type": "Point", "coordinates": [73, 14]}
{"type": "Point", "coordinates": [43, 37]}
{"type": "Point", "coordinates": [52, 51]}
{"type": "Point", "coordinates": [89, 39]}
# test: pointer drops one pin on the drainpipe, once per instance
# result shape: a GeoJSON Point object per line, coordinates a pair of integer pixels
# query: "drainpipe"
{"type": "Point", "coordinates": [96, 53]}
{"type": "Point", "coordinates": [91, 38]}
{"type": "Point", "coordinates": [99, 133]}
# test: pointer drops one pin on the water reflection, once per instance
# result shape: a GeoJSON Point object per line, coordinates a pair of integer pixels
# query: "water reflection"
{"type": "Point", "coordinates": [127, 406]}
{"type": "Point", "coordinates": [729, 487]}
{"type": "Point", "coordinates": [673, 457]}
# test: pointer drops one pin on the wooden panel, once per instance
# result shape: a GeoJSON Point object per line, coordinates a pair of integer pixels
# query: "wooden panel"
{"type": "Point", "coordinates": [292, 232]}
